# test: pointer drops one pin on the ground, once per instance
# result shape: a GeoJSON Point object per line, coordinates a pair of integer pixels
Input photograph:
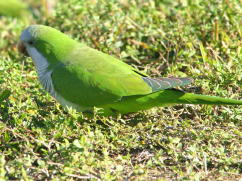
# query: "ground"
{"type": "Point", "coordinates": [39, 140]}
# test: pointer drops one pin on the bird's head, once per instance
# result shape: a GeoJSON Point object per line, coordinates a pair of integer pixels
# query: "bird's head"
{"type": "Point", "coordinates": [27, 40]}
{"type": "Point", "coordinates": [40, 40]}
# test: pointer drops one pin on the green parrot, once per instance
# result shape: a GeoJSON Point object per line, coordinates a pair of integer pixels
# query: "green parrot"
{"type": "Point", "coordinates": [83, 78]}
{"type": "Point", "coordinates": [14, 8]}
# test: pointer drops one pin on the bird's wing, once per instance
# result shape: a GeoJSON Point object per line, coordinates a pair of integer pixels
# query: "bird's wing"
{"type": "Point", "coordinates": [166, 83]}
{"type": "Point", "coordinates": [92, 78]}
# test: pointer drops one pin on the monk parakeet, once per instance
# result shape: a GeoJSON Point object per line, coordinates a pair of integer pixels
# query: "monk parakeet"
{"type": "Point", "coordinates": [83, 78]}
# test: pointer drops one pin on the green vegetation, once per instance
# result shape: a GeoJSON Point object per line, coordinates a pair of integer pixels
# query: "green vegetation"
{"type": "Point", "coordinates": [15, 8]}
{"type": "Point", "coordinates": [200, 39]}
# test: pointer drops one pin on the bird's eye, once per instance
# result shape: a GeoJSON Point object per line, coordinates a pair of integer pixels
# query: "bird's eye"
{"type": "Point", "coordinates": [30, 42]}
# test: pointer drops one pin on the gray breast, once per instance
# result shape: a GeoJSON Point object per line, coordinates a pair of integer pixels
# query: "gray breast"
{"type": "Point", "coordinates": [46, 81]}
{"type": "Point", "coordinates": [42, 67]}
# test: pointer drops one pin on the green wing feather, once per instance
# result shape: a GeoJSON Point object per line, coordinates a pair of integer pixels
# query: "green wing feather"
{"type": "Point", "coordinates": [91, 78]}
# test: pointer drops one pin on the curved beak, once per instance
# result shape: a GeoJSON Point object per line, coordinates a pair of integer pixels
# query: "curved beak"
{"type": "Point", "coordinates": [21, 48]}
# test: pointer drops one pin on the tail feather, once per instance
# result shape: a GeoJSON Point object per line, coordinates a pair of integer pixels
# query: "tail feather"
{"type": "Point", "coordinates": [189, 98]}
{"type": "Point", "coordinates": [174, 96]}
{"type": "Point", "coordinates": [165, 98]}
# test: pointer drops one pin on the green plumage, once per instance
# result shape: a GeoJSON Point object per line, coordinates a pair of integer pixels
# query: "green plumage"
{"type": "Point", "coordinates": [89, 78]}
{"type": "Point", "coordinates": [166, 98]}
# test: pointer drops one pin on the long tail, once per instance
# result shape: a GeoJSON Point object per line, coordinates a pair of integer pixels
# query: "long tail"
{"type": "Point", "coordinates": [174, 96]}
{"type": "Point", "coordinates": [189, 98]}
{"type": "Point", "coordinates": [165, 98]}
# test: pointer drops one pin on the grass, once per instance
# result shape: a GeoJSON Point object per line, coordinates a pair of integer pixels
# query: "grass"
{"type": "Point", "coordinates": [200, 39]}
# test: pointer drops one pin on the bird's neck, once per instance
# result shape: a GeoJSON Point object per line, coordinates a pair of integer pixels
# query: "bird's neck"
{"type": "Point", "coordinates": [41, 63]}
{"type": "Point", "coordinates": [43, 69]}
